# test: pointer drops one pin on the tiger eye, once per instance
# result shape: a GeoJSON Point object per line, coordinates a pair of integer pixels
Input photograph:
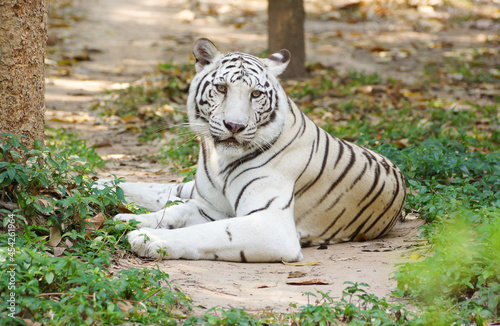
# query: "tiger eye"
{"type": "Point", "coordinates": [256, 93]}
{"type": "Point", "coordinates": [222, 88]}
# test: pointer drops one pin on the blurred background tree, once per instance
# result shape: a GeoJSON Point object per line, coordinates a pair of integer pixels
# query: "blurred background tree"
{"type": "Point", "coordinates": [286, 31]}
{"type": "Point", "coordinates": [23, 34]}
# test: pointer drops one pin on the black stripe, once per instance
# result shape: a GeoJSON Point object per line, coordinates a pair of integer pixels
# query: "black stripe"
{"type": "Point", "coordinates": [364, 208]}
{"type": "Point", "coordinates": [317, 137]}
{"type": "Point", "coordinates": [349, 166]}
{"type": "Point", "coordinates": [263, 208]}
{"type": "Point", "coordinates": [289, 203]}
{"type": "Point", "coordinates": [370, 157]}
{"type": "Point", "coordinates": [203, 89]}
{"type": "Point", "coordinates": [293, 113]}
{"type": "Point", "coordinates": [340, 153]}
{"type": "Point", "coordinates": [333, 186]}
{"type": "Point", "coordinates": [253, 70]}
{"type": "Point", "coordinates": [250, 59]}
{"type": "Point", "coordinates": [259, 166]}
{"type": "Point", "coordinates": [192, 190]}
{"type": "Point", "coordinates": [323, 165]}
{"type": "Point", "coordinates": [204, 153]}
{"type": "Point", "coordinates": [229, 169]}
{"type": "Point", "coordinates": [216, 128]}
{"type": "Point", "coordinates": [359, 176]}
{"type": "Point", "coordinates": [374, 184]}
{"type": "Point", "coordinates": [385, 165]}
{"type": "Point", "coordinates": [335, 202]}
{"type": "Point", "coordinates": [179, 190]}
{"type": "Point", "coordinates": [303, 124]}
{"type": "Point", "coordinates": [353, 235]}
{"type": "Point", "coordinates": [269, 109]}
{"type": "Point", "coordinates": [197, 113]}
{"type": "Point", "coordinates": [205, 215]}
{"type": "Point", "coordinates": [307, 164]}
{"type": "Point", "coordinates": [271, 117]}
{"type": "Point", "coordinates": [243, 258]}
{"type": "Point", "coordinates": [389, 225]}
{"type": "Point", "coordinates": [332, 224]}
{"type": "Point", "coordinates": [199, 193]}
{"type": "Point", "coordinates": [237, 202]}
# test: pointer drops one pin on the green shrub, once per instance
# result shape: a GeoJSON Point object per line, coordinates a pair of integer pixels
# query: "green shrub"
{"type": "Point", "coordinates": [47, 195]}
{"type": "Point", "coordinates": [53, 183]}
{"type": "Point", "coordinates": [444, 175]}
{"type": "Point", "coordinates": [462, 268]}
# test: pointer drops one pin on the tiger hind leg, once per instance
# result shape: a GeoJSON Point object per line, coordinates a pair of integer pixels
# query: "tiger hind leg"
{"type": "Point", "coordinates": [153, 196]}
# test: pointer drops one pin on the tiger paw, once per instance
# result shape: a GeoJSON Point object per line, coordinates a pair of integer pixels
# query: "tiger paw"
{"type": "Point", "coordinates": [145, 244]}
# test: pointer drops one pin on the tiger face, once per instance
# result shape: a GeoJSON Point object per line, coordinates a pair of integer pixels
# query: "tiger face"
{"type": "Point", "coordinates": [234, 98]}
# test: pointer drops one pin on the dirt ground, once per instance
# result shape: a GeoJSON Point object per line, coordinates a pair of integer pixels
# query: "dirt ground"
{"type": "Point", "coordinates": [116, 41]}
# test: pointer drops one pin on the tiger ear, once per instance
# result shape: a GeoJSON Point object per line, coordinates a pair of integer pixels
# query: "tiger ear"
{"type": "Point", "coordinates": [204, 52]}
{"type": "Point", "coordinates": [277, 62]}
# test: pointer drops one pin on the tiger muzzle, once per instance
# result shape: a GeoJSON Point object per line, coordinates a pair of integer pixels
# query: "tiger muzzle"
{"type": "Point", "coordinates": [234, 127]}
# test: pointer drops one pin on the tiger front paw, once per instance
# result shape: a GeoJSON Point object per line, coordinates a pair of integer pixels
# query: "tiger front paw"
{"type": "Point", "coordinates": [146, 244]}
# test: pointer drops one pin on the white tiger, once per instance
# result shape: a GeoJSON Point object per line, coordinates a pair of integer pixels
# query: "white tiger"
{"type": "Point", "coordinates": [268, 180]}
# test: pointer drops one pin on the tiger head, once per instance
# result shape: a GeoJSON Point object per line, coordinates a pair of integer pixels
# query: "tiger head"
{"type": "Point", "coordinates": [236, 99]}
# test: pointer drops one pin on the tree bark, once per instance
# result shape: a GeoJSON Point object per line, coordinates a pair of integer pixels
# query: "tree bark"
{"type": "Point", "coordinates": [22, 72]}
{"type": "Point", "coordinates": [286, 31]}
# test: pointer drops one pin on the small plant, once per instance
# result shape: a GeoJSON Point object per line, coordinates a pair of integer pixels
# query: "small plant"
{"type": "Point", "coordinates": [55, 265]}
{"type": "Point", "coordinates": [356, 307]}
{"type": "Point", "coordinates": [460, 274]}
{"type": "Point", "coordinates": [444, 175]}
{"type": "Point", "coordinates": [68, 291]}
{"type": "Point", "coordinates": [54, 183]}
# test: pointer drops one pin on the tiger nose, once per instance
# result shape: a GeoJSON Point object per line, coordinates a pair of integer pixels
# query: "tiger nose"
{"type": "Point", "coordinates": [234, 127]}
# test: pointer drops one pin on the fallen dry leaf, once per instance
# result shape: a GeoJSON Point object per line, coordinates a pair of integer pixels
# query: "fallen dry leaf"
{"type": "Point", "coordinates": [296, 274]}
{"type": "Point", "coordinates": [412, 216]}
{"type": "Point", "coordinates": [125, 306]}
{"type": "Point", "coordinates": [415, 256]}
{"type": "Point", "coordinates": [267, 286]}
{"type": "Point", "coordinates": [55, 236]}
{"type": "Point", "coordinates": [124, 210]}
{"type": "Point", "coordinates": [301, 264]}
{"type": "Point", "coordinates": [30, 322]}
{"type": "Point", "coordinates": [314, 281]}
{"type": "Point", "coordinates": [68, 243]}
{"type": "Point", "coordinates": [94, 223]}
{"type": "Point", "coordinates": [58, 251]}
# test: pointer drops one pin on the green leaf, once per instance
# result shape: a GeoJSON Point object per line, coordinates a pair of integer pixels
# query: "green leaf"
{"type": "Point", "coordinates": [15, 142]}
{"type": "Point", "coordinates": [44, 180]}
{"type": "Point", "coordinates": [11, 172]}
{"type": "Point", "coordinates": [22, 178]}
{"type": "Point", "coordinates": [2, 177]}
{"type": "Point", "coordinates": [49, 277]}
{"type": "Point", "coordinates": [78, 179]}
{"type": "Point", "coordinates": [120, 194]}
{"type": "Point", "coordinates": [64, 165]}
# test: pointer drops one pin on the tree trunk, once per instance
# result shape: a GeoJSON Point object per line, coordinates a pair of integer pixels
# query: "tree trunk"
{"type": "Point", "coordinates": [285, 28]}
{"type": "Point", "coordinates": [22, 72]}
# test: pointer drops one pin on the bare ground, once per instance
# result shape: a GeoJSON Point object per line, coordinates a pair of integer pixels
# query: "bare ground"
{"type": "Point", "coordinates": [117, 41]}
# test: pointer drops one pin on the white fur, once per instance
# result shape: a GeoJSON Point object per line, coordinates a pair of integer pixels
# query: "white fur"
{"type": "Point", "coordinates": [275, 185]}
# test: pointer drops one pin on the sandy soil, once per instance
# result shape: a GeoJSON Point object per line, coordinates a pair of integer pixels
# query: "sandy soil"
{"type": "Point", "coordinates": [126, 38]}
{"type": "Point", "coordinates": [265, 285]}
